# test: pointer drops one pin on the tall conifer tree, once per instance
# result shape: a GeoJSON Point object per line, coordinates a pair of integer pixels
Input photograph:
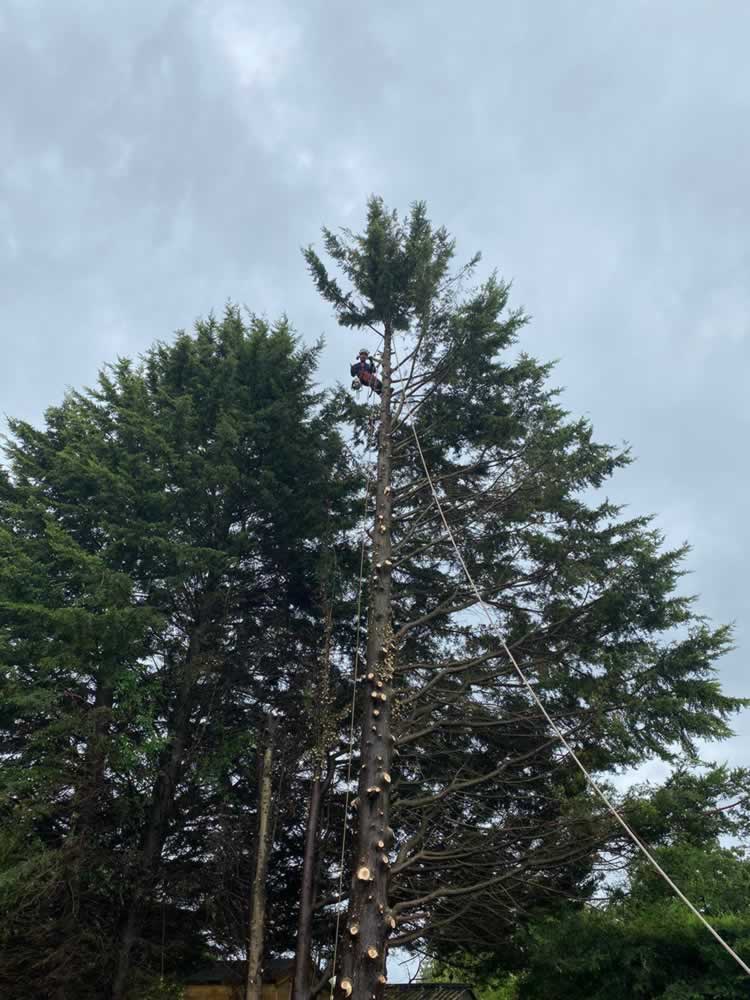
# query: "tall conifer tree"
{"type": "Point", "coordinates": [490, 816]}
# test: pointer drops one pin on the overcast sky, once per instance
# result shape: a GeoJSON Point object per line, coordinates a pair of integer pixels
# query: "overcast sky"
{"type": "Point", "coordinates": [157, 159]}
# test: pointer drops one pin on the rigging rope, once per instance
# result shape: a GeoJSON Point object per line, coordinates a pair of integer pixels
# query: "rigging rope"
{"type": "Point", "coordinates": [561, 736]}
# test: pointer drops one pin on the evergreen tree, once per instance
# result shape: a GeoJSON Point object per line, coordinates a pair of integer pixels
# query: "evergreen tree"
{"type": "Point", "coordinates": [161, 538]}
{"type": "Point", "coordinates": [491, 818]}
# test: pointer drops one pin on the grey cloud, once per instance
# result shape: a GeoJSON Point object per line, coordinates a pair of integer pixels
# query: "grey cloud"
{"type": "Point", "coordinates": [158, 159]}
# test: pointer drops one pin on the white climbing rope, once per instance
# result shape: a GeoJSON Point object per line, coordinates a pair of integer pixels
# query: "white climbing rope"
{"type": "Point", "coordinates": [561, 736]}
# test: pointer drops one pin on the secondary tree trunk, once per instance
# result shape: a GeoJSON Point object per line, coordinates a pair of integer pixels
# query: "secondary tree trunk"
{"type": "Point", "coordinates": [256, 932]}
{"type": "Point", "coordinates": [323, 727]}
{"type": "Point", "coordinates": [364, 938]}
{"type": "Point", "coordinates": [90, 794]}
{"type": "Point", "coordinates": [302, 956]}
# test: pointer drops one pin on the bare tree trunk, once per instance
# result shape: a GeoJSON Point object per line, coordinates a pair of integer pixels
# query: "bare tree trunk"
{"type": "Point", "coordinates": [303, 986]}
{"type": "Point", "coordinates": [369, 921]}
{"type": "Point", "coordinates": [302, 959]}
{"type": "Point", "coordinates": [256, 931]}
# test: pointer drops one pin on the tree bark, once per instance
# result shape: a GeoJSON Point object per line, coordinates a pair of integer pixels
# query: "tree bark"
{"type": "Point", "coordinates": [256, 931]}
{"type": "Point", "coordinates": [96, 756]}
{"type": "Point", "coordinates": [302, 957]}
{"type": "Point", "coordinates": [302, 987]}
{"type": "Point", "coordinates": [364, 938]}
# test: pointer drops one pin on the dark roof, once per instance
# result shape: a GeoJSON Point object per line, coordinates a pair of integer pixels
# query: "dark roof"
{"type": "Point", "coordinates": [429, 991]}
{"type": "Point", "coordinates": [233, 971]}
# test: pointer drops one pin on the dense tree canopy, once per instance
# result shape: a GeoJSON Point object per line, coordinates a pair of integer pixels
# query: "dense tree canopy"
{"type": "Point", "coordinates": [646, 944]}
{"type": "Point", "coordinates": [163, 540]}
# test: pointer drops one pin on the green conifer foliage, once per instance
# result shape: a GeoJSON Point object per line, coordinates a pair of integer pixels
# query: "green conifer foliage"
{"type": "Point", "coordinates": [160, 542]}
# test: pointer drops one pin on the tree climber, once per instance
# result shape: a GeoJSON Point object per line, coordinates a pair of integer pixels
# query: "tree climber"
{"type": "Point", "coordinates": [363, 370]}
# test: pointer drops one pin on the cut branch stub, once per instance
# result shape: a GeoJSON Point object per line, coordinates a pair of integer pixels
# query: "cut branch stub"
{"type": "Point", "coordinates": [363, 874]}
{"type": "Point", "coordinates": [346, 987]}
{"type": "Point", "coordinates": [390, 921]}
{"type": "Point", "coordinates": [372, 952]}
{"type": "Point", "coordinates": [374, 790]}
{"type": "Point", "coordinates": [354, 930]}
{"type": "Point", "coordinates": [386, 777]}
